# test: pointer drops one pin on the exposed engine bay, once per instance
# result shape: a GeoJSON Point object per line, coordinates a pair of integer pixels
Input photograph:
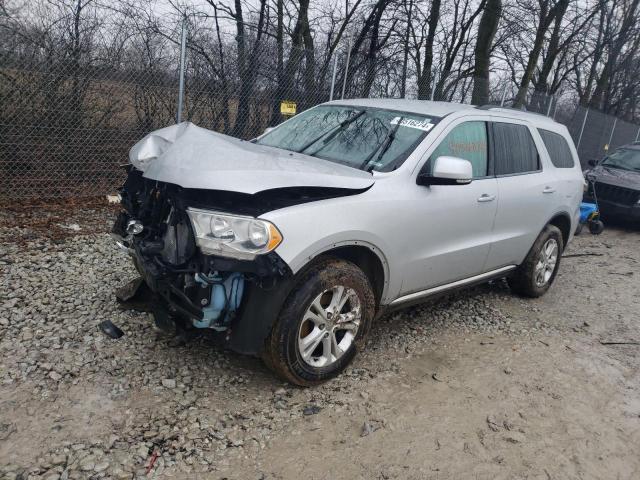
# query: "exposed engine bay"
{"type": "Point", "coordinates": [204, 290]}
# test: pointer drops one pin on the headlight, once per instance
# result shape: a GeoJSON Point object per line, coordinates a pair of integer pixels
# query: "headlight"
{"type": "Point", "coordinates": [232, 235]}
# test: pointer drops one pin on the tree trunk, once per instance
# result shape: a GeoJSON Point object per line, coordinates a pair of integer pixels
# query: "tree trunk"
{"type": "Point", "coordinates": [247, 67]}
{"type": "Point", "coordinates": [599, 98]}
{"type": "Point", "coordinates": [486, 33]}
{"type": "Point", "coordinates": [541, 86]}
{"type": "Point", "coordinates": [424, 79]}
{"type": "Point", "coordinates": [547, 16]}
{"type": "Point", "coordinates": [287, 80]}
{"type": "Point", "coordinates": [372, 53]}
{"type": "Point", "coordinates": [372, 22]}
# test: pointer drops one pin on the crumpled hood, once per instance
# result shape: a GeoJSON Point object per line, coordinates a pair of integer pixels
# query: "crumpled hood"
{"type": "Point", "coordinates": [194, 157]}
{"type": "Point", "coordinates": [616, 176]}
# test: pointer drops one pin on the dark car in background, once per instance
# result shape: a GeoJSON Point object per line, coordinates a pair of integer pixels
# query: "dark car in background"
{"type": "Point", "coordinates": [616, 180]}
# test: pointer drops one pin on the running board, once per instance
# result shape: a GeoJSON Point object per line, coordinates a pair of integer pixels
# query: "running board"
{"type": "Point", "coordinates": [453, 285]}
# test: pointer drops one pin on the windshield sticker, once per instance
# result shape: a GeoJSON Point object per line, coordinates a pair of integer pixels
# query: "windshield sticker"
{"type": "Point", "coordinates": [424, 125]}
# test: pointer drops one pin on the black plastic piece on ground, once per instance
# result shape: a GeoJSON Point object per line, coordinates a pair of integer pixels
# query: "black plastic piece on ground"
{"type": "Point", "coordinates": [110, 329]}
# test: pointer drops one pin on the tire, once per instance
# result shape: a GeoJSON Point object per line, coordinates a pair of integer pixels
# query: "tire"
{"type": "Point", "coordinates": [529, 280]}
{"type": "Point", "coordinates": [301, 321]}
{"type": "Point", "coordinates": [579, 229]}
{"type": "Point", "coordinates": [596, 227]}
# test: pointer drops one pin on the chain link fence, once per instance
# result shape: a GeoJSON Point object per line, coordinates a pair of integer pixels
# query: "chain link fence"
{"type": "Point", "coordinates": [67, 123]}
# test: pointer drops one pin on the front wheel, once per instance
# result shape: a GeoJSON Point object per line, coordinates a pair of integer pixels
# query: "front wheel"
{"type": "Point", "coordinates": [322, 324]}
{"type": "Point", "coordinates": [596, 227]}
{"type": "Point", "coordinates": [538, 271]}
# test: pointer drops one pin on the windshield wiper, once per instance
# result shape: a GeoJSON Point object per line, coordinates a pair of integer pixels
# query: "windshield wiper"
{"type": "Point", "coordinates": [384, 146]}
{"type": "Point", "coordinates": [332, 132]}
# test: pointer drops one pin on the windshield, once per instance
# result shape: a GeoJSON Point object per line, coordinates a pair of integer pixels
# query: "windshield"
{"type": "Point", "coordinates": [624, 158]}
{"type": "Point", "coordinates": [363, 138]}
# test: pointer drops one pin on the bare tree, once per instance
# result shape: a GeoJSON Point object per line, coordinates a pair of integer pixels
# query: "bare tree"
{"type": "Point", "coordinates": [486, 33]}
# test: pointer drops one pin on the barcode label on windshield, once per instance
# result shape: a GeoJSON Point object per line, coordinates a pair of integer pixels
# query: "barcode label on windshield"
{"type": "Point", "coordinates": [424, 125]}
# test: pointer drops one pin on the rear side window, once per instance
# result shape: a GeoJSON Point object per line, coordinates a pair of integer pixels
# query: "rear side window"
{"type": "Point", "coordinates": [514, 150]}
{"type": "Point", "coordinates": [558, 149]}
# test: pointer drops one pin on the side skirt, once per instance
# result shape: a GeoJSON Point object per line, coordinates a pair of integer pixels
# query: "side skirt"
{"type": "Point", "coordinates": [422, 295]}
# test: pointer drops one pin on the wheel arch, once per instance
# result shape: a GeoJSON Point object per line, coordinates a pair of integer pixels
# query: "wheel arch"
{"type": "Point", "coordinates": [367, 257]}
{"type": "Point", "coordinates": [562, 221]}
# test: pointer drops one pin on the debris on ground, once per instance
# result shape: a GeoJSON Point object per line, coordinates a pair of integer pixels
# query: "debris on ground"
{"type": "Point", "coordinates": [311, 410]}
{"type": "Point", "coordinates": [110, 329]}
{"type": "Point", "coordinates": [492, 423]}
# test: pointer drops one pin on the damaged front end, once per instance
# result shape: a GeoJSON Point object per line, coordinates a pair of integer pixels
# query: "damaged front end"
{"type": "Point", "coordinates": [193, 280]}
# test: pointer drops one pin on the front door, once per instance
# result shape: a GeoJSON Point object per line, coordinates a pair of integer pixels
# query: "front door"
{"type": "Point", "coordinates": [453, 225]}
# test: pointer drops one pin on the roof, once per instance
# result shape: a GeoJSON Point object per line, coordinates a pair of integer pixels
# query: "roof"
{"type": "Point", "coordinates": [440, 109]}
{"type": "Point", "coordinates": [424, 107]}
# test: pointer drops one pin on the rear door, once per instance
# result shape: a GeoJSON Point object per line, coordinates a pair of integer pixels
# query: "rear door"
{"type": "Point", "coordinates": [527, 191]}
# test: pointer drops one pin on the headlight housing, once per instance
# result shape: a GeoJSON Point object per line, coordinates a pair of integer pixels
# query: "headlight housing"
{"type": "Point", "coordinates": [233, 235]}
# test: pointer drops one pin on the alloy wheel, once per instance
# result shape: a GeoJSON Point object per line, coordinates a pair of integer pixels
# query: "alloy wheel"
{"type": "Point", "coordinates": [329, 326]}
{"type": "Point", "coordinates": [547, 262]}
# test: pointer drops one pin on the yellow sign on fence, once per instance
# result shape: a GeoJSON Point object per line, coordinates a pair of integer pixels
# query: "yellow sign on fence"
{"type": "Point", "coordinates": [288, 108]}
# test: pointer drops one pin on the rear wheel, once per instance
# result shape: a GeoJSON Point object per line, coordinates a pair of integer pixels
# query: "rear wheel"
{"type": "Point", "coordinates": [322, 324]}
{"type": "Point", "coordinates": [538, 271]}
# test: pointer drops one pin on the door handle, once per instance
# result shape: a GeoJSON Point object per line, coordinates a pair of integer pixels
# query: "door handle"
{"type": "Point", "coordinates": [548, 190]}
{"type": "Point", "coordinates": [485, 197]}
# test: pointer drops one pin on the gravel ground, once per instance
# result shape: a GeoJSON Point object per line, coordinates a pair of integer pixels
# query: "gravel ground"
{"type": "Point", "coordinates": [481, 383]}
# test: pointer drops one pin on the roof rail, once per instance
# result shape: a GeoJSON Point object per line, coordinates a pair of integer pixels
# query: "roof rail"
{"type": "Point", "coordinates": [498, 107]}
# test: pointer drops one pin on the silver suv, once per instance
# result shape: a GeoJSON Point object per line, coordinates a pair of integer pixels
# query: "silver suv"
{"type": "Point", "coordinates": [293, 243]}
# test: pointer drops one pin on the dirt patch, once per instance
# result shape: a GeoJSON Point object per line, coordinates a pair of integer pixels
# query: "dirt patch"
{"type": "Point", "coordinates": [480, 385]}
{"type": "Point", "coordinates": [55, 219]}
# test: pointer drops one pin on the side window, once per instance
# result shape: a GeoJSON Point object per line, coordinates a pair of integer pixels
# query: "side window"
{"type": "Point", "coordinates": [558, 149]}
{"type": "Point", "coordinates": [468, 141]}
{"type": "Point", "coordinates": [514, 150]}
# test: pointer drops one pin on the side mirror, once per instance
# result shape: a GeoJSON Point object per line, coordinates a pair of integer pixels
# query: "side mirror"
{"type": "Point", "coordinates": [448, 171]}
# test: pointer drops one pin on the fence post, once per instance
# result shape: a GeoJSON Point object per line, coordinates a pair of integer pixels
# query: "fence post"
{"type": "Point", "coordinates": [346, 70]}
{"type": "Point", "coordinates": [504, 95]}
{"type": "Point", "coordinates": [333, 78]}
{"type": "Point", "coordinates": [433, 88]}
{"type": "Point", "coordinates": [615, 122]}
{"type": "Point", "coordinates": [403, 84]}
{"type": "Point", "coordinates": [586, 114]}
{"type": "Point", "coordinates": [183, 52]}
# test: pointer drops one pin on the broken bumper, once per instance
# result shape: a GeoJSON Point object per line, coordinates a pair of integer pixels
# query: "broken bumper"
{"type": "Point", "coordinates": [245, 314]}
{"type": "Point", "coordinates": [192, 289]}
{"type": "Point", "coordinates": [618, 210]}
